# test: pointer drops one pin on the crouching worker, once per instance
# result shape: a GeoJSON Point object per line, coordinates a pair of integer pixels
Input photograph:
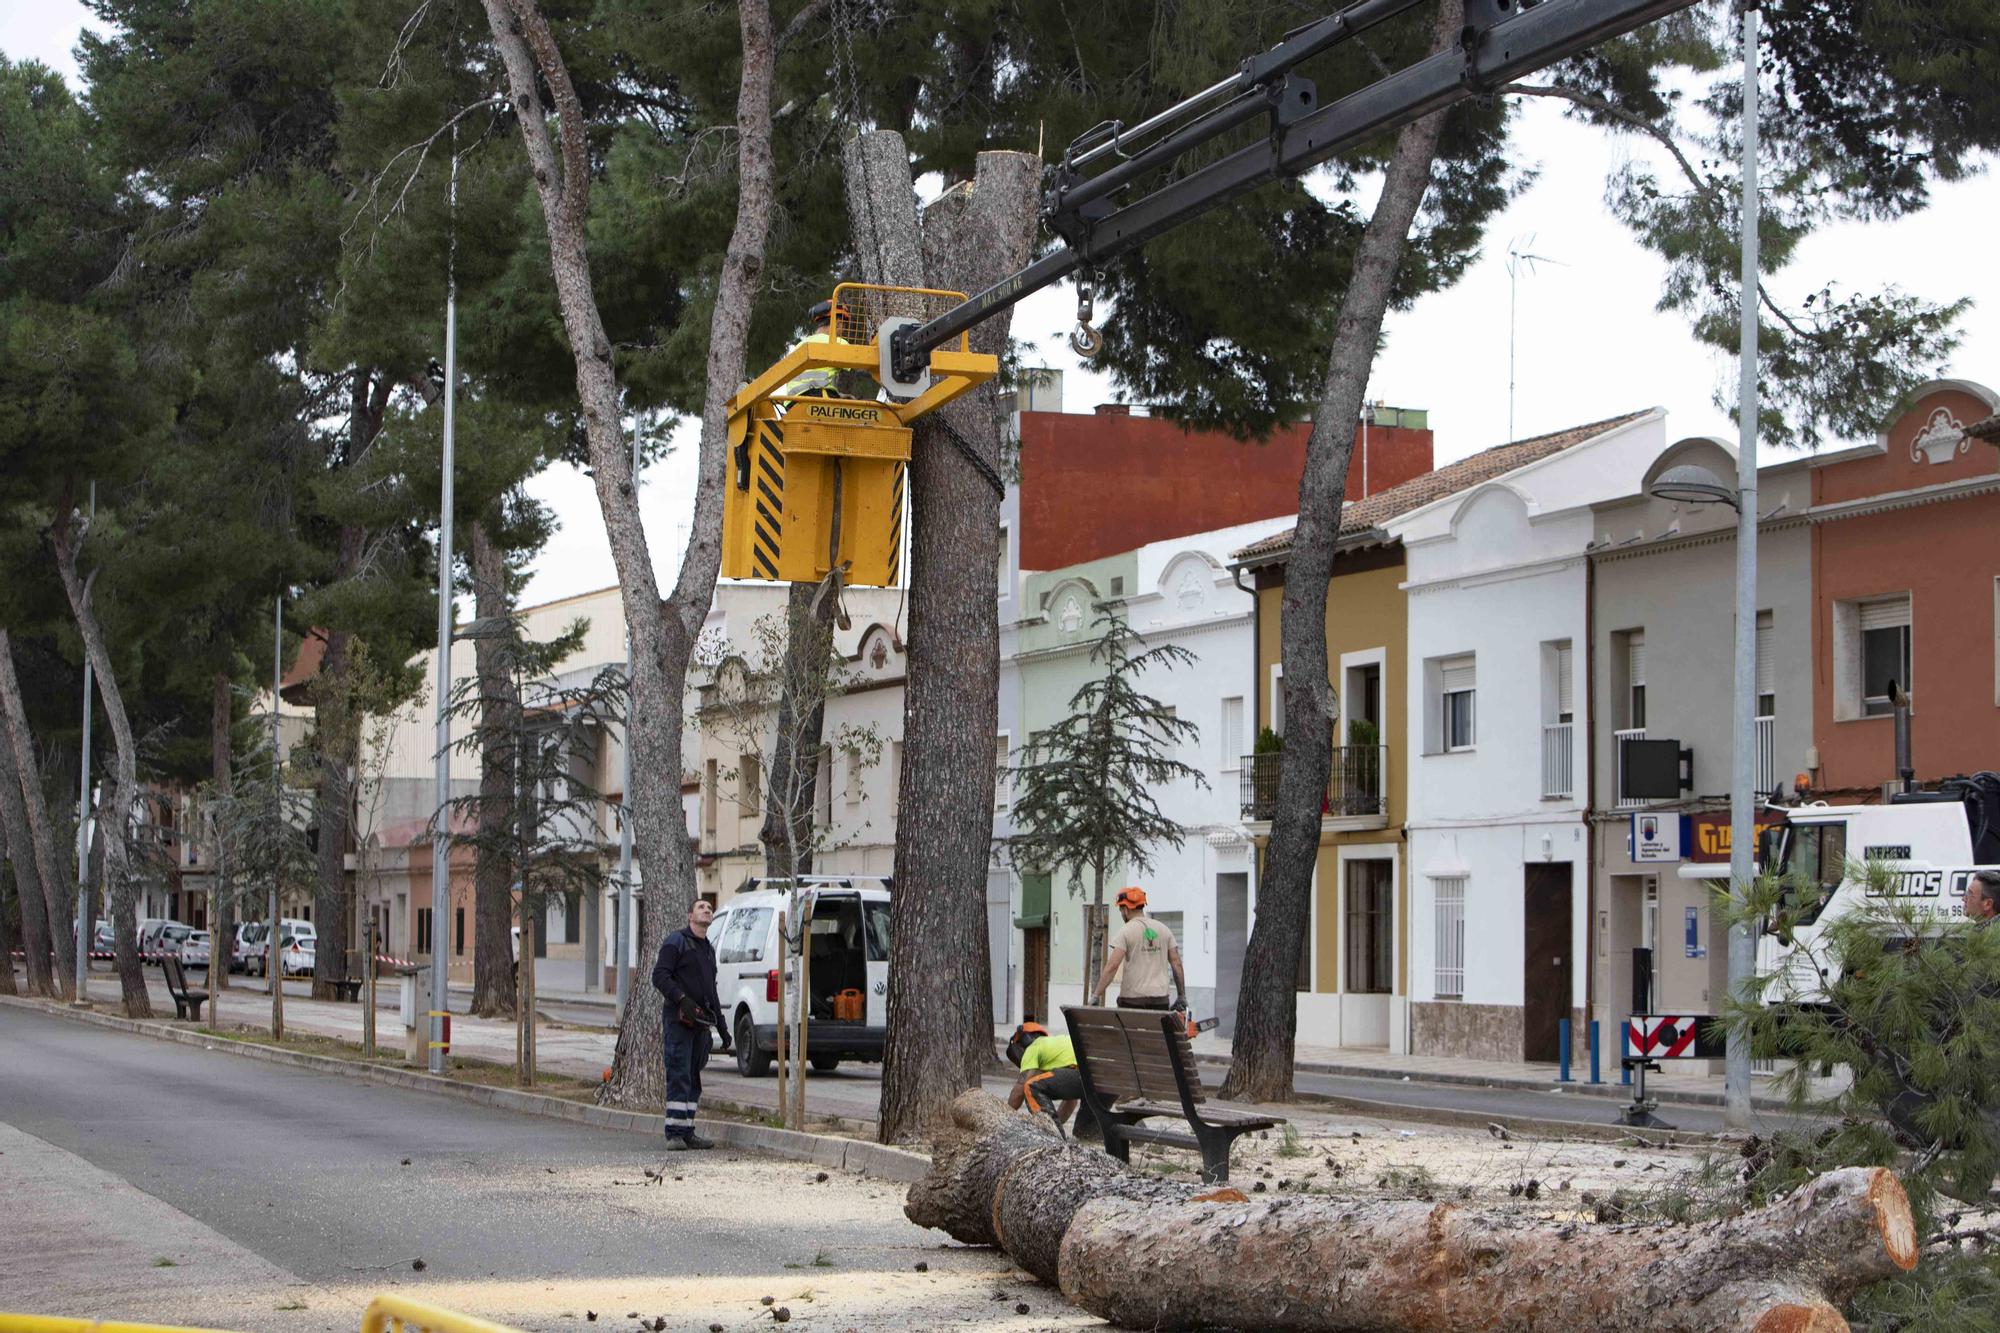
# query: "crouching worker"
{"type": "Point", "coordinates": [1050, 1082]}
{"type": "Point", "coordinates": [684, 976]}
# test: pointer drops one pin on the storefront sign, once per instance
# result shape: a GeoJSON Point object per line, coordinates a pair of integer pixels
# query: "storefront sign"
{"type": "Point", "coordinates": [1709, 837]}
{"type": "Point", "coordinates": [1694, 949]}
{"type": "Point", "coordinates": [1657, 837]}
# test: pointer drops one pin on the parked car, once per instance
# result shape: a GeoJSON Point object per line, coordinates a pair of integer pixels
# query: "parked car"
{"type": "Point", "coordinates": [249, 943]}
{"type": "Point", "coordinates": [195, 949]}
{"type": "Point", "coordinates": [296, 953]}
{"type": "Point", "coordinates": [100, 939]}
{"type": "Point", "coordinates": [253, 937]}
{"type": "Point", "coordinates": [149, 932]}
{"type": "Point", "coordinates": [848, 979]}
{"type": "Point", "coordinates": [164, 937]}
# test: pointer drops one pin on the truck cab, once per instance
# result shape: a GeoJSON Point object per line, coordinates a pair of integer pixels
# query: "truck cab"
{"type": "Point", "coordinates": [847, 923]}
{"type": "Point", "coordinates": [1931, 842]}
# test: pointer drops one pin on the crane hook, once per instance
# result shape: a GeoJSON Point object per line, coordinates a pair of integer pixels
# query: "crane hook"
{"type": "Point", "coordinates": [1084, 340]}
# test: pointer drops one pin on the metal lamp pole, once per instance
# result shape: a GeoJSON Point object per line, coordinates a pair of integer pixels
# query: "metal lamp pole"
{"type": "Point", "coordinates": [274, 957]}
{"type": "Point", "coordinates": [1743, 774]}
{"type": "Point", "coordinates": [441, 835]}
{"type": "Point", "coordinates": [84, 924]}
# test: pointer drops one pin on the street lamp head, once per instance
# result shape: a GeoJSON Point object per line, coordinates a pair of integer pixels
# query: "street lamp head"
{"type": "Point", "coordinates": [1691, 483]}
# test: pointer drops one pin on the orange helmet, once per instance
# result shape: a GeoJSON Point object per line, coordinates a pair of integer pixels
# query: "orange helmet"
{"type": "Point", "coordinates": [1133, 897]}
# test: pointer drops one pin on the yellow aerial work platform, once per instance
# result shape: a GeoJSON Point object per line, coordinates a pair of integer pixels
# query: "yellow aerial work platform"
{"type": "Point", "coordinates": [816, 483]}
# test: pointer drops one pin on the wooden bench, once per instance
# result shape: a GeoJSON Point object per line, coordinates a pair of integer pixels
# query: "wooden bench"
{"type": "Point", "coordinates": [187, 1003]}
{"type": "Point", "coordinates": [1137, 1064]}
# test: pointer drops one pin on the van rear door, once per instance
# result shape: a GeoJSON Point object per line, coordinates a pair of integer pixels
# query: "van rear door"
{"type": "Point", "coordinates": [875, 923]}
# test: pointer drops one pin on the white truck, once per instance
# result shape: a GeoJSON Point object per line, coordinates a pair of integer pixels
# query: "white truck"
{"type": "Point", "coordinates": [1931, 842]}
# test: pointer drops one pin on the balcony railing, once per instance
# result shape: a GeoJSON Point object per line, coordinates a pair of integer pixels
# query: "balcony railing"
{"type": "Point", "coordinates": [1558, 761]}
{"type": "Point", "coordinates": [1618, 739]}
{"type": "Point", "coordinates": [1354, 786]}
{"type": "Point", "coordinates": [1767, 755]}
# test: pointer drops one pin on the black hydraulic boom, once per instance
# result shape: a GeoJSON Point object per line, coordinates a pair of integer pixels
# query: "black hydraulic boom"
{"type": "Point", "coordinates": [1501, 41]}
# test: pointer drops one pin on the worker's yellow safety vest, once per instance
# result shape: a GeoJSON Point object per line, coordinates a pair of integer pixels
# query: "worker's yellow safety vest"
{"type": "Point", "coordinates": [818, 380]}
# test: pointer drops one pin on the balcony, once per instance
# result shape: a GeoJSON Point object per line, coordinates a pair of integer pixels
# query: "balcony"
{"type": "Point", "coordinates": [1767, 755]}
{"type": "Point", "coordinates": [1355, 787]}
{"type": "Point", "coordinates": [1558, 761]}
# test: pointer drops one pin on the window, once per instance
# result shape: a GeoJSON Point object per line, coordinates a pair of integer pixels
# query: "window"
{"type": "Point", "coordinates": [1457, 686]}
{"type": "Point", "coordinates": [1232, 734]}
{"type": "Point", "coordinates": [750, 785]}
{"type": "Point", "coordinates": [1000, 784]}
{"type": "Point", "coordinates": [572, 910]}
{"type": "Point", "coordinates": [1278, 699]}
{"type": "Point", "coordinates": [1003, 560]}
{"type": "Point", "coordinates": [742, 940]}
{"type": "Point", "coordinates": [854, 763]}
{"type": "Point", "coordinates": [895, 777]}
{"type": "Point", "coordinates": [1450, 978]}
{"type": "Point", "coordinates": [823, 788]}
{"type": "Point", "coordinates": [1767, 687]}
{"type": "Point", "coordinates": [1635, 680]}
{"type": "Point", "coordinates": [1885, 653]}
{"type": "Point", "coordinates": [1368, 933]}
{"type": "Point", "coordinates": [1118, 585]}
{"type": "Point", "coordinates": [423, 930]}
{"type": "Point", "coordinates": [709, 785]}
{"type": "Point", "coordinates": [458, 930]}
{"type": "Point", "coordinates": [1564, 683]}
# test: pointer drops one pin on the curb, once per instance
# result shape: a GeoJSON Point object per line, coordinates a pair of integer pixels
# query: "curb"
{"type": "Point", "coordinates": [866, 1159]}
{"type": "Point", "coordinates": [1609, 1091]}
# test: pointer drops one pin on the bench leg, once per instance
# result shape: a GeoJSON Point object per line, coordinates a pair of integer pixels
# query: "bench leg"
{"type": "Point", "coordinates": [196, 1007]}
{"type": "Point", "coordinates": [1214, 1155]}
{"type": "Point", "coordinates": [1116, 1144]}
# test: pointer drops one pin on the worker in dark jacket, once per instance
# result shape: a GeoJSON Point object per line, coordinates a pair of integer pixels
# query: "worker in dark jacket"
{"type": "Point", "coordinates": [685, 978]}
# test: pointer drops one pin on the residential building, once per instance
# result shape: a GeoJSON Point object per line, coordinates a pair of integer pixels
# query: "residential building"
{"type": "Point", "coordinates": [1497, 577]}
{"type": "Point", "coordinates": [1354, 972]}
{"type": "Point", "coordinates": [1661, 671]}
{"type": "Point", "coordinates": [1177, 592]}
{"type": "Point", "coordinates": [1905, 589]}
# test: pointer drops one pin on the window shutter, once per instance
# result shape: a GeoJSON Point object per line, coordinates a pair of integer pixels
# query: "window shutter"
{"type": "Point", "coordinates": [1891, 613]}
{"type": "Point", "coordinates": [1765, 672]}
{"type": "Point", "coordinates": [1636, 659]}
{"type": "Point", "coordinates": [1565, 688]}
{"type": "Point", "coordinates": [1457, 675]}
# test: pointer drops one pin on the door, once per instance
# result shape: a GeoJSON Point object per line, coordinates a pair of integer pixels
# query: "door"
{"type": "Point", "coordinates": [1035, 975]}
{"type": "Point", "coordinates": [1368, 938]}
{"type": "Point", "coordinates": [1545, 972]}
{"type": "Point", "coordinates": [1232, 934]}
{"type": "Point", "coordinates": [875, 918]}
{"type": "Point", "coordinates": [999, 943]}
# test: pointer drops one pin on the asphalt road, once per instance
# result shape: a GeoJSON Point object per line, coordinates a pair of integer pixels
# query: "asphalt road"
{"type": "Point", "coordinates": [325, 1176]}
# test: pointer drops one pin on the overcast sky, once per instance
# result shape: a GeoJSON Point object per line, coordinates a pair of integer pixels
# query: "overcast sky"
{"type": "Point", "coordinates": [1589, 343]}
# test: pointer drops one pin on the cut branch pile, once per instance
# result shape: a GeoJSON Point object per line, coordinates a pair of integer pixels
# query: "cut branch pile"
{"type": "Point", "coordinates": [1149, 1253]}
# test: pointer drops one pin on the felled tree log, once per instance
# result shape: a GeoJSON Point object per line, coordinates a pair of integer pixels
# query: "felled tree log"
{"type": "Point", "coordinates": [1146, 1253]}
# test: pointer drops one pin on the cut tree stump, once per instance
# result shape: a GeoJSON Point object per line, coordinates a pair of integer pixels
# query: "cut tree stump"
{"type": "Point", "coordinates": [1149, 1253]}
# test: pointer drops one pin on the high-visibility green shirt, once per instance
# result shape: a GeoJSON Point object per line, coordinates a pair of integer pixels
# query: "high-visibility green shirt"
{"type": "Point", "coordinates": [817, 380]}
{"type": "Point", "coordinates": [1049, 1053]}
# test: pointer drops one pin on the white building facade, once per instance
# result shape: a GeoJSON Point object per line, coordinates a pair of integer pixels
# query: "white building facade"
{"type": "Point", "coordinates": [1498, 588]}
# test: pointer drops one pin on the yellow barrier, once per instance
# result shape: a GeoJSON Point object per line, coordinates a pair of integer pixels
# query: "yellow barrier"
{"type": "Point", "coordinates": [400, 1314]}
{"type": "Point", "coordinates": [385, 1314]}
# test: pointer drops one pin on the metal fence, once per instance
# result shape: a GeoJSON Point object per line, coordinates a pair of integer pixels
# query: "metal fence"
{"type": "Point", "coordinates": [1356, 783]}
{"type": "Point", "coordinates": [1558, 760]}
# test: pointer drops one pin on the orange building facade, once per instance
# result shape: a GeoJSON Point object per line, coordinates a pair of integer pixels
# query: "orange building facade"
{"type": "Point", "coordinates": [1906, 584]}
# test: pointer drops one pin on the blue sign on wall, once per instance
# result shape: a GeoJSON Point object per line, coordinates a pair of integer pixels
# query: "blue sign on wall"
{"type": "Point", "coordinates": [1694, 949]}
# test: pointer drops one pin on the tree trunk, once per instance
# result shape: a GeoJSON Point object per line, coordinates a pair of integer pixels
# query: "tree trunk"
{"type": "Point", "coordinates": [114, 816]}
{"type": "Point", "coordinates": [940, 1007]}
{"type": "Point", "coordinates": [222, 903]}
{"type": "Point", "coordinates": [8, 911]}
{"type": "Point", "coordinates": [1147, 1253]}
{"type": "Point", "coordinates": [29, 857]}
{"type": "Point", "coordinates": [334, 735]}
{"type": "Point", "coordinates": [663, 632]}
{"type": "Point", "coordinates": [1267, 1005]}
{"type": "Point", "coordinates": [793, 785]}
{"type": "Point", "coordinates": [492, 885]}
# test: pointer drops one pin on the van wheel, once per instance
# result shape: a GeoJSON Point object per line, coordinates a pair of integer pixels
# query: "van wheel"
{"type": "Point", "coordinates": [750, 1062]}
{"type": "Point", "coordinates": [824, 1062]}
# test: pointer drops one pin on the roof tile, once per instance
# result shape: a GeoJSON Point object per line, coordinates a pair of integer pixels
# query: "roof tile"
{"type": "Point", "coordinates": [1450, 479]}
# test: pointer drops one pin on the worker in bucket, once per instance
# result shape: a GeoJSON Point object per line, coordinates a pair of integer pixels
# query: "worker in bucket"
{"type": "Point", "coordinates": [818, 382]}
{"type": "Point", "coordinates": [1147, 953]}
{"type": "Point", "coordinates": [1050, 1081]}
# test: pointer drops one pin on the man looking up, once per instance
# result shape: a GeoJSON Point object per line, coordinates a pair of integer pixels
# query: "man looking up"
{"type": "Point", "coordinates": [1147, 951]}
{"type": "Point", "coordinates": [685, 978]}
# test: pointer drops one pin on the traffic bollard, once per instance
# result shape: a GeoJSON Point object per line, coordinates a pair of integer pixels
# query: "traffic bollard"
{"type": "Point", "coordinates": [1594, 1076]}
{"type": "Point", "coordinates": [1562, 1051]}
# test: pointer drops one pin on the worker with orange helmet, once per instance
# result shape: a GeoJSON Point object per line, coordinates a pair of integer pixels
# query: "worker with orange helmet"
{"type": "Point", "coordinates": [820, 381]}
{"type": "Point", "coordinates": [1050, 1081]}
{"type": "Point", "coordinates": [1147, 952]}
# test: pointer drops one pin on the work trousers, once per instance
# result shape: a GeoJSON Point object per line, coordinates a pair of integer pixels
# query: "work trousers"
{"type": "Point", "coordinates": [686, 1054]}
{"type": "Point", "coordinates": [1142, 1001]}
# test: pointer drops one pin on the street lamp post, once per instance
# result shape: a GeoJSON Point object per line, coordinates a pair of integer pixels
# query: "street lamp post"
{"type": "Point", "coordinates": [441, 835]}
{"type": "Point", "coordinates": [1743, 771]}
{"type": "Point", "coordinates": [85, 924]}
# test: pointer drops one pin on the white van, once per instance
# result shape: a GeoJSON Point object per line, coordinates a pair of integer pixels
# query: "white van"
{"type": "Point", "coordinates": [848, 978]}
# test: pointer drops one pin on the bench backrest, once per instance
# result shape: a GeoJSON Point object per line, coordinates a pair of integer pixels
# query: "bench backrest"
{"type": "Point", "coordinates": [170, 968]}
{"type": "Point", "coordinates": [1127, 1054]}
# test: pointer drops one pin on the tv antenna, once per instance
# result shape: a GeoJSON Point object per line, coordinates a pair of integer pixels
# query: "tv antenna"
{"type": "Point", "coordinates": [1519, 257]}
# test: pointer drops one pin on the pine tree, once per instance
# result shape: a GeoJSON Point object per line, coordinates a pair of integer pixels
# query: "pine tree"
{"type": "Point", "coordinates": [1085, 802]}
